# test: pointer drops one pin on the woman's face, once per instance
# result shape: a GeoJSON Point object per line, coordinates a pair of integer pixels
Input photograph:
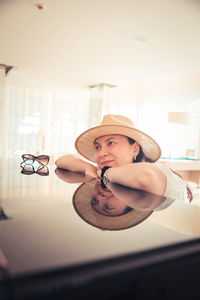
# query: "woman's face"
{"type": "Point", "coordinates": [114, 150]}
{"type": "Point", "coordinates": [106, 203]}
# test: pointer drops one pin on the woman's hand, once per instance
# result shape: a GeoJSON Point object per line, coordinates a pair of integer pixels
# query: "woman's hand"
{"type": "Point", "coordinates": [99, 173]}
{"type": "Point", "coordinates": [73, 163]}
{"type": "Point", "coordinates": [91, 170]}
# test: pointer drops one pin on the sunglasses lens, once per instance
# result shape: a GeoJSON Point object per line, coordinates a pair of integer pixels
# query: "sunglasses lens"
{"type": "Point", "coordinates": [43, 159]}
{"type": "Point", "coordinates": [43, 171]}
{"type": "Point", "coordinates": [28, 161]}
{"type": "Point", "coordinates": [28, 170]}
{"type": "Point", "coordinates": [28, 156]}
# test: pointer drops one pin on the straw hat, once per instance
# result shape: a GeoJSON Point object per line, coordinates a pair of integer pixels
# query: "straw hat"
{"type": "Point", "coordinates": [116, 124]}
{"type": "Point", "coordinates": [82, 204]}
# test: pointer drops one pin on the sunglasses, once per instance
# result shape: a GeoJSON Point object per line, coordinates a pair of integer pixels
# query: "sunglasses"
{"type": "Point", "coordinates": [42, 159]}
{"type": "Point", "coordinates": [29, 170]}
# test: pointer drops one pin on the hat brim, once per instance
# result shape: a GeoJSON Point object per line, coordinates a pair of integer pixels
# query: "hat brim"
{"type": "Point", "coordinates": [84, 144]}
{"type": "Point", "coordinates": [82, 204]}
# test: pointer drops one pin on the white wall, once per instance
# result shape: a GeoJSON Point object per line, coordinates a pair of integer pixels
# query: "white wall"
{"type": "Point", "coordinates": [148, 103]}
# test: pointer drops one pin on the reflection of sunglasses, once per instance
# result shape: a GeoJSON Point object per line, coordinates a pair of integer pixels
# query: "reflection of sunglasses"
{"type": "Point", "coordinates": [3, 216]}
{"type": "Point", "coordinates": [29, 159]}
{"type": "Point", "coordinates": [29, 170]}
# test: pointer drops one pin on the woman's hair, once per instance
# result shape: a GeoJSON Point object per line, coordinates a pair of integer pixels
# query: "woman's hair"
{"type": "Point", "coordinates": [140, 157]}
{"type": "Point", "coordinates": [127, 210]}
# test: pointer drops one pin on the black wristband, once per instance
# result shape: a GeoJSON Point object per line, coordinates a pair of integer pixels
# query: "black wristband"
{"type": "Point", "coordinates": [103, 178]}
{"type": "Point", "coordinates": [104, 170]}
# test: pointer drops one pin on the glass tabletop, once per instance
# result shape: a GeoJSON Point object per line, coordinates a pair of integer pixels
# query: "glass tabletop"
{"type": "Point", "coordinates": [41, 227]}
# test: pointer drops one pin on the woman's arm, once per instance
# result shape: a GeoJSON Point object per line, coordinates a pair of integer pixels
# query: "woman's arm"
{"type": "Point", "coordinates": [73, 163]}
{"type": "Point", "coordinates": [142, 176]}
{"type": "Point", "coordinates": [72, 177]}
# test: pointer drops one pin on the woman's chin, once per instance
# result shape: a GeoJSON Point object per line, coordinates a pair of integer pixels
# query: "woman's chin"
{"type": "Point", "coordinates": [108, 164]}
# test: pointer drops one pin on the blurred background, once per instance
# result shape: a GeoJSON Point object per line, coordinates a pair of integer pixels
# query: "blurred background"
{"type": "Point", "coordinates": [64, 64]}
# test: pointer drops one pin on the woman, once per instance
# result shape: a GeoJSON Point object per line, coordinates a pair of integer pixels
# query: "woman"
{"type": "Point", "coordinates": [115, 207]}
{"type": "Point", "coordinates": [124, 155]}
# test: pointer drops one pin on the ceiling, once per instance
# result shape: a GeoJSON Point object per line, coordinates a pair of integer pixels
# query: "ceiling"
{"type": "Point", "coordinates": [85, 42]}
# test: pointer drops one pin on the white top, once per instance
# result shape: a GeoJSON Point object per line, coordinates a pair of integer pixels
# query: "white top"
{"type": "Point", "coordinates": [176, 188]}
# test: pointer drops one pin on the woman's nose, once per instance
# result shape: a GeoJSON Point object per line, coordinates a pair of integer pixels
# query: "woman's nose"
{"type": "Point", "coordinates": [101, 198]}
{"type": "Point", "coordinates": [103, 151]}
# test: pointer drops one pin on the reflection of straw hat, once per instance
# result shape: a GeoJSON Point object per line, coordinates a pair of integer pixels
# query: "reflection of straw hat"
{"type": "Point", "coordinates": [82, 204]}
{"type": "Point", "coordinates": [115, 124]}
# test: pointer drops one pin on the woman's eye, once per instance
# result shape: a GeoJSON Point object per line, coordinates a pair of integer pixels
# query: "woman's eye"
{"type": "Point", "coordinates": [108, 207]}
{"type": "Point", "coordinates": [94, 201]}
{"type": "Point", "coordinates": [110, 143]}
{"type": "Point", "coordinates": [97, 148]}
{"type": "Point", "coordinates": [101, 194]}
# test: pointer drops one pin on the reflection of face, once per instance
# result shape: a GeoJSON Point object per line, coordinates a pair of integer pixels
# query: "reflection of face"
{"type": "Point", "coordinates": [114, 150]}
{"type": "Point", "coordinates": [106, 203]}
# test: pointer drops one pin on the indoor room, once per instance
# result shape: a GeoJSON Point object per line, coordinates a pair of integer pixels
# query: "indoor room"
{"type": "Point", "coordinates": [66, 64]}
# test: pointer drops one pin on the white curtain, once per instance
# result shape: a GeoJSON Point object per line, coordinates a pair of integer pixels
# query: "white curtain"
{"type": "Point", "coordinates": [38, 120]}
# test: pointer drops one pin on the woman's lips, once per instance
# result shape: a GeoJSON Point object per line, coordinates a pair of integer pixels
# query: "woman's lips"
{"type": "Point", "coordinates": [107, 163]}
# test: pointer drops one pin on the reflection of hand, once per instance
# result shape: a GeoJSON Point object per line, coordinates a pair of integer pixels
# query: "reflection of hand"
{"type": "Point", "coordinates": [99, 173]}
{"type": "Point", "coordinates": [71, 177]}
{"type": "Point", "coordinates": [137, 199]}
{"type": "Point", "coordinates": [91, 171]}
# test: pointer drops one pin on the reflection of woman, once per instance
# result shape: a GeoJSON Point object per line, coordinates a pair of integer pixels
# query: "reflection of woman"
{"type": "Point", "coordinates": [104, 202]}
{"type": "Point", "coordinates": [124, 155]}
{"type": "Point", "coordinates": [102, 209]}
{"type": "Point", "coordinates": [115, 207]}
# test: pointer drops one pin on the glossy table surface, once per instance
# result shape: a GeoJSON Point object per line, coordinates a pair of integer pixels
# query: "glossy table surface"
{"type": "Point", "coordinates": [40, 229]}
